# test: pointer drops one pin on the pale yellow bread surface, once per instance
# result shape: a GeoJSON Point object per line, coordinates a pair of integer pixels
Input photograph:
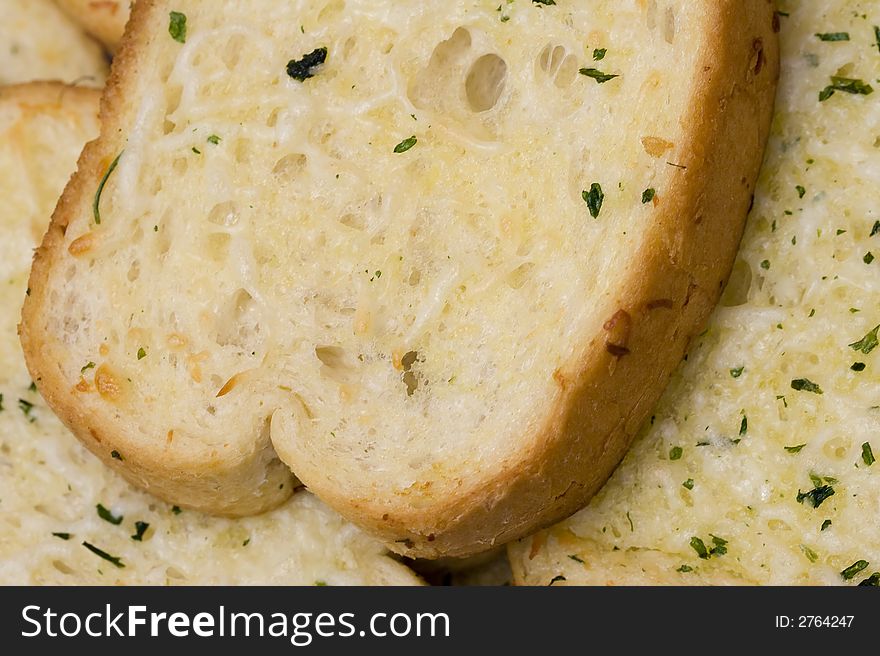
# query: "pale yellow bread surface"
{"type": "Point", "coordinates": [103, 19]}
{"type": "Point", "coordinates": [50, 484]}
{"type": "Point", "coordinates": [425, 278]}
{"type": "Point", "coordinates": [806, 286]}
{"type": "Point", "coordinates": [39, 42]}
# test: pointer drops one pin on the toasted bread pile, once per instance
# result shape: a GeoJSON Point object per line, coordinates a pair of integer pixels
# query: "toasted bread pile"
{"type": "Point", "coordinates": [758, 465]}
{"type": "Point", "coordinates": [339, 282]}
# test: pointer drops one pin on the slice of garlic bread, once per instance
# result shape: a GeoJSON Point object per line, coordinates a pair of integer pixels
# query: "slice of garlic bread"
{"type": "Point", "coordinates": [51, 487]}
{"type": "Point", "coordinates": [39, 42]}
{"type": "Point", "coordinates": [759, 466]}
{"type": "Point", "coordinates": [440, 258]}
{"type": "Point", "coordinates": [105, 19]}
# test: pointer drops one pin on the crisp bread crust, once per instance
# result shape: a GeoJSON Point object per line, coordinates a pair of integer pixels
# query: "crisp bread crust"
{"type": "Point", "coordinates": [606, 394]}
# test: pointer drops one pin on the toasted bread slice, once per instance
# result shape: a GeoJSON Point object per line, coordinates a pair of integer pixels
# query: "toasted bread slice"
{"type": "Point", "coordinates": [104, 19]}
{"type": "Point", "coordinates": [442, 259]}
{"type": "Point", "coordinates": [51, 486]}
{"type": "Point", "coordinates": [39, 42]}
{"type": "Point", "coordinates": [767, 436]}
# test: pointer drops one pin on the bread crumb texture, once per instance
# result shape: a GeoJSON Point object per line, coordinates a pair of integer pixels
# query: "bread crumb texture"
{"type": "Point", "coordinates": [39, 42]}
{"type": "Point", "coordinates": [758, 466]}
{"type": "Point", "coordinates": [55, 497]}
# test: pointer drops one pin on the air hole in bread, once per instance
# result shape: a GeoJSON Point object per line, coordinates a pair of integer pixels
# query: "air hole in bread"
{"type": "Point", "coordinates": [336, 363]}
{"type": "Point", "coordinates": [651, 14]}
{"type": "Point", "coordinates": [272, 121]}
{"type": "Point", "coordinates": [737, 292]}
{"type": "Point", "coordinates": [410, 377]}
{"type": "Point", "coordinates": [330, 10]}
{"type": "Point", "coordinates": [485, 82]}
{"type": "Point", "coordinates": [291, 166]}
{"type": "Point", "coordinates": [231, 52]}
{"type": "Point", "coordinates": [415, 277]}
{"type": "Point", "coordinates": [239, 322]}
{"type": "Point", "coordinates": [837, 448]}
{"type": "Point", "coordinates": [353, 221]}
{"type": "Point", "coordinates": [63, 567]}
{"type": "Point", "coordinates": [174, 573]}
{"type": "Point", "coordinates": [218, 246]}
{"type": "Point", "coordinates": [224, 214]}
{"type": "Point", "coordinates": [520, 276]}
{"type": "Point", "coordinates": [669, 26]}
{"type": "Point", "coordinates": [134, 271]}
{"type": "Point", "coordinates": [180, 166]}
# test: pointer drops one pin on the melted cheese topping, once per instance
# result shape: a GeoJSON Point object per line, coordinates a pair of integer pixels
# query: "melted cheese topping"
{"type": "Point", "coordinates": [743, 432]}
{"type": "Point", "coordinates": [50, 485]}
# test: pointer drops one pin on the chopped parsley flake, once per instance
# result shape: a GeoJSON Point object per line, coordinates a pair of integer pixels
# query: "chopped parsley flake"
{"type": "Point", "coordinates": [96, 205]}
{"type": "Point", "coordinates": [689, 484]}
{"type": "Point", "coordinates": [108, 516]}
{"type": "Point", "coordinates": [801, 191]}
{"type": "Point", "coordinates": [103, 554]}
{"type": "Point", "coordinates": [544, 2]}
{"type": "Point", "coordinates": [869, 258]}
{"type": "Point", "coordinates": [303, 69]}
{"type": "Point", "coordinates": [868, 454]}
{"type": "Point", "coordinates": [557, 579]}
{"type": "Point", "coordinates": [876, 229]}
{"type": "Point", "coordinates": [858, 366]}
{"type": "Point", "coordinates": [599, 76]}
{"type": "Point", "coordinates": [806, 385]}
{"type": "Point", "coordinates": [872, 581]}
{"type": "Point", "coordinates": [825, 525]}
{"type": "Point", "coordinates": [718, 548]}
{"type": "Point", "coordinates": [845, 85]}
{"type": "Point", "coordinates": [648, 195]}
{"type": "Point", "coordinates": [834, 36]}
{"type": "Point", "coordinates": [867, 343]}
{"type": "Point", "coordinates": [141, 528]}
{"type": "Point", "coordinates": [795, 449]}
{"type": "Point", "coordinates": [214, 139]}
{"type": "Point", "coordinates": [599, 54]}
{"type": "Point", "coordinates": [816, 496]}
{"type": "Point", "coordinates": [62, 536]}
{"type": "Point", "coordinates": [176, 510]}
{"type": "Point", "coordinates": [675, 453]}
{"type": "Point", "coordinates": [141, 353]}
{"type": "Point", "coordinates": [736, 373]}
{"type": "Point", "coordinates": [116, 456]}
{"type": "Point", "coordinates": [27, 407]}
{"type": "Point", "coordinates": [405, 145]}
{"type": "Point", "coordinates": [684, 569]}
{"type": "Point", "coordinates": [577, 559]}
{"type": "Point", "coordinates": [594, 198]}
{"type": "Point", "coordinates": [177, 26]}
{"type": "Point", "coordinates": [853, 570]}
{"type": "Point", "coordinates": [744, 425]}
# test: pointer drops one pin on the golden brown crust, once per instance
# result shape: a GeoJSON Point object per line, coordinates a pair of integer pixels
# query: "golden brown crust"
{"type": "Point", "coordinates": [664, 303]}
{"type": "Point", "coordinates": [217, 479]}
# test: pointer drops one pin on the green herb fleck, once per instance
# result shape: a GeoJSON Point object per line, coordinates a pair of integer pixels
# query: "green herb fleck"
{"type": "Point", "coordinates": [594, 198]}
{"type": "Point", "coordinates": [876, 229]}
{"type": "Point", "coordinates": [599, 76]}
{"type": "Point", "coordinates": [116, 455]}
{"type": "Point", "coordinates": [867, 343]}
{"type": "Point", "coordinates": [557, 579]}
{"type": "Point", "coordinates": [303, 69]}
{"type": "Point", "coordinates": [544, 2]}
{"type": "Point", "coordinates": [719, 547]}
{"type": "Point", "coordinates": [405, 145]}
{"type": "Point", "coordinates": [736, 373]}
{"type": "Point", "coordinates": [577, 559]}
{"type": "Point", "coordinates": [27, 407]}
{"type": "Point", "coordinates": [744, 425]}
{"type": "Point", "coordinates": [177, 27]}
{"type": "Point", "coordinates": [806, 385]}
{"type": "Point", "coordinates": [141, 353]}
{"type": "Point", "coordinates": [648, 195]}
{"type": "Point", "coordinates": [689, 484]}
{"type": "Point", "coordinates": [868, 454]}
{"type": "Point", "coordinates": [599, 54]}
{"type": "Point", "coordinates": [765, 264]}
{"type": "Point", "coordinates": [872, 581]}
{"type": "Point", "coordinates": [214, 139]}
{"type": "Point", "coordinates": [140, 528]}
{"type": "Point", "coordinates": [816, 496]}
{"type": "Point", "coordinates": [108, 516]}
{"type": "Point", "coordinates": [103, 554]}
{"type": "Point", "coordinates": [684, 569]}
{"type": "Point", "coordinates": [62, 536]}
{"type": "Point", "coordinates": [825, 525]}
{"type": "Point", "coordinates": [96, 205]}
{"type": "Point", "coordinates": [845, 85]}
{"type": "Point", "coordinates": [675, 453]}
{"type": "Point", "coordinates": [795, 449]}
{"type": "Point", "coordinates": [811, 555]}
{"type": "Point", "coordinates": [834, 36]}
{"type": "Point", "coordinates": [858, 366]}
{"type": "Point", "coordinates": [869, 258]}
{"type": "Point", "coordinates": [176, 510]}
{"type": "Point", "coordinates": [801, 191]}
{"type": "Point", "coordinates": [852, 571]}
